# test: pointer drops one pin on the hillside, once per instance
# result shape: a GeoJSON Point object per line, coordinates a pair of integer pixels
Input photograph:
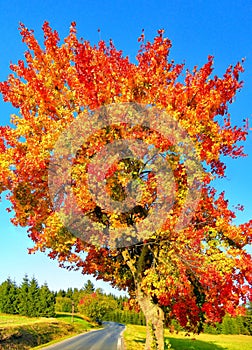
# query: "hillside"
{"type": "Point", "coordinates": [23, 333]}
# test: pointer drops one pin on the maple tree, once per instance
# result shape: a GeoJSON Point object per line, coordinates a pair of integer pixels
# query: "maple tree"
{"type": "Point", "coordinates": [195, 272]}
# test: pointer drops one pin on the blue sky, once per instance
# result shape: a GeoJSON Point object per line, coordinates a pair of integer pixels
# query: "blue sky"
{"type": "Point", "coordinates": [196, 28]}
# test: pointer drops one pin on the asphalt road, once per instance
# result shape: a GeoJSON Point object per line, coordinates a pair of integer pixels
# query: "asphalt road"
{"type": "Point", "coordinates": [103, 339]}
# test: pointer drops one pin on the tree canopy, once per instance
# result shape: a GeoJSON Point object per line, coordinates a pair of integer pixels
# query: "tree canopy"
{"type": "Point", "coordinates": [194, 272]}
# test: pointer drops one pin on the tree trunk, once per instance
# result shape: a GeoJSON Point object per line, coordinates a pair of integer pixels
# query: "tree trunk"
{"type": "Point", "coordinates": [154, 321]}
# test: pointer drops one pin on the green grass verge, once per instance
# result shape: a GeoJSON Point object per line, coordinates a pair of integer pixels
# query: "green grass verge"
{"type": "Point", "coordinates": [134, 338]}
{"type": "Point", "coordinates": [79, 321]}
{"type": "Point", "coordinates": [24, 333]}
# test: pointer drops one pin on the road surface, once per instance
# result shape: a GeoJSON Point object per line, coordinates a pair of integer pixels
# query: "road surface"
{"type": "Point", "coordinates": [107, 338]}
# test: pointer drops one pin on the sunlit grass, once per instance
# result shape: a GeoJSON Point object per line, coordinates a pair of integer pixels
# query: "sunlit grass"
{"type": "Point", "coordinates": [76, 320]}
{"type": "Point", "coordinates": [7, 320]}
{"type": "Point", "coordinates": [134, 337]}
{"type": "Point", "coordinates": [13, 320]}
{"type": "Point", "coordinates": [23, 333]}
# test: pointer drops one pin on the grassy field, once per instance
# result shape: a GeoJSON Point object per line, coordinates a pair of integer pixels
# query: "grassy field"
{"type": "Point", "coordinates": [23, 333]}
{"type": "Point", "coordinates": [79, 321]}
{"type": "Point", "coordinates": [14, 320]}
{"type": "Point", "coordinates": [134, 338]}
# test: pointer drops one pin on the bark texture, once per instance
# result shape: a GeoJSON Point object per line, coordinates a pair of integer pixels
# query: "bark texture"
{"type": "Point", "coordinates": [154, 321]}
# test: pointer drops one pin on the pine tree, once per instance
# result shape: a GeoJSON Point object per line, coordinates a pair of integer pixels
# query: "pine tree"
{"type": "Point", "coordinates": [89, 287]}
{"type": "Point", "coordinates": [23, 296]}
{"type": "Point", "coordinates": [241, 327]}
{"type": "Point", "coordinates": [61, 293]}
{"type": "Point", "coordinates": [248, 319]}
{"type": "Point", "coordinates": [228, 325]}
{"type": "Point", "coordinates": [33, 298]}
{"type": "Point", "coordinates": [76, 298]}
{"type": "Point", "coordinates": [69, 293]}
{"type": "Point", "coordinates": [47, 302]}
{"type": "Point", "coordinates": [8, 297]}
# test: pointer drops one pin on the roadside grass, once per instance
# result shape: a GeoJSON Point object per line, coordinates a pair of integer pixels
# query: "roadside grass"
{"type": "Point", "coordinates": [210, 342]}
{"type": "Point", "coordinates": [79, 321]}
{"type": "Point", "coordinates": [14, 320]}
{"type": "Point", "coordinates": [134, 338]}
{"type": "Point", "coordinates": [23, 333]}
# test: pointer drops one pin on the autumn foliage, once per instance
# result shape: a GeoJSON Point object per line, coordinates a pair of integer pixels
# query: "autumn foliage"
{"type": "Point", "coordinates": [195, 274]}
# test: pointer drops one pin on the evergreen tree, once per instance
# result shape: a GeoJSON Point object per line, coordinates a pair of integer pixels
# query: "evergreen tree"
{"type": "Point", "coordinates": [249, 319]}
{"type": "Point", "coordinates": [8, 297]}
{"type": "Point", "coordinates": [69, 293]}
{"type": "Point", "coordinates": [229, 325]}
{"type": "Point", "coordinates": [33, 299]}
{"type": "Point", "coordinates": [61, 293]}
{"type": "Point", "coordinates": [28, 299]}
{"type": "Point", "coordinates": [47, 302]}
{"type": "Point", "coordinates": [89, 287]}
{"type": "Point", "coordinates": [23, 296]}
{"type": "Point", "coordinates": [241, 325]}
{"type": "Point", "coordinates": [76, 298]}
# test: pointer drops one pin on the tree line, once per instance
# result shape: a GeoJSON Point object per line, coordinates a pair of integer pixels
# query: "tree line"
{"type": "Point", "coordinates": [232, 325]}
{"type": "Point", "coordinates": [97, 306]}
{"type": "Point", "coordinates": [28, 299]}
{"type": "Point", "coordinates": [229, 325]}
